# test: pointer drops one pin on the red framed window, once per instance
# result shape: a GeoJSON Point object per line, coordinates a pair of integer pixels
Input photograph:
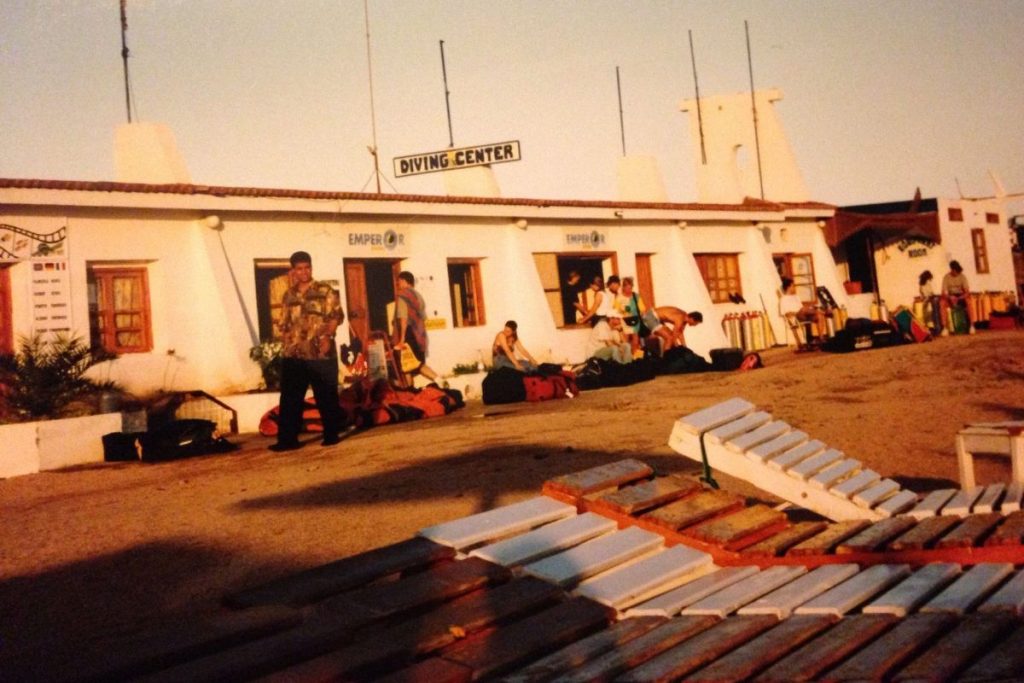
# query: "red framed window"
{"type": "Point", "coordinates": [992, 218]}
{"type": "Point", "coordinates": [721, 273]}
{"type": "Point", "coordinates": [119, 315]}
{"type": "Point", "coordinates": [956, 214]}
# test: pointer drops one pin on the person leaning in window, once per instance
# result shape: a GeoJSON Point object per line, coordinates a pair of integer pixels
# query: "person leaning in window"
{"type": "Point", "coordinates": [508, 352]}
{"type": "Point", "coordinates": [410, 324]}
{"type": "Point", "coordinates": [310, 314]}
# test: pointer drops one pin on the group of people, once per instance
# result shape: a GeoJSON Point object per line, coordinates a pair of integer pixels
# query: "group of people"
{"type": "Point", "coordinates": [310, 314]}
{"type": "Point", "coordinates": [623, 325]}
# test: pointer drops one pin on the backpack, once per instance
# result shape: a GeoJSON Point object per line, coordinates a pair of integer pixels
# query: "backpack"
{"type": "Point", "coordinates": [504, 385]}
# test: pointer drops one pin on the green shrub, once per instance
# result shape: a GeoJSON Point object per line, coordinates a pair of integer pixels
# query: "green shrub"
{"type": "Point", "coordinates": [48, 374]}
{"type": "Point", "coordinates": [268, 356]}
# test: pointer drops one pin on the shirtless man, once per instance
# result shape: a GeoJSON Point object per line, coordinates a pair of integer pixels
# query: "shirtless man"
{"type": "Point", "coordinates": [678, 319]}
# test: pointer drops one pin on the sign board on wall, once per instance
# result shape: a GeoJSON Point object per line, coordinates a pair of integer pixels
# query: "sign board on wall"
{"type": "Point", "coordinates": [463, 157]}
{"type": "Point", "coordinates": [582, 239]}
{"type": "Point", "coordinates": [51, 296]}
{"type": "Point", "coordinates": [381, 242]}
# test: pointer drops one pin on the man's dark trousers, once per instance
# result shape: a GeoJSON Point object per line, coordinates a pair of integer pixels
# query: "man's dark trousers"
{"type": "Point", "coordinates": [297, 374]}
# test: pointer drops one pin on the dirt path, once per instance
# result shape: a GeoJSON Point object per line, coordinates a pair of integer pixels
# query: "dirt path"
{"type": "Point", "coordinates": [104, 549]}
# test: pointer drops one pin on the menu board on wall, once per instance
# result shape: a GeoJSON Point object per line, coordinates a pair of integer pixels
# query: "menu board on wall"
{"type": "Point", "coordinates": [51, 296]}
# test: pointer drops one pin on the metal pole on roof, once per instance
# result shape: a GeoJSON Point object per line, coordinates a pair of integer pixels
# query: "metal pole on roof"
{"type": "Point", "coordinates": [447, 105]}
{"type": "Point", "coordinates": [124, 58]}
{"type": "Point", "coordinates": [696, 91]}
{"type": "Point", "coordinates": [373, 111]}
{"type": "Point", "coordinates": [753, 106]}
{"type": "Point", "coordinates": [622, 125]}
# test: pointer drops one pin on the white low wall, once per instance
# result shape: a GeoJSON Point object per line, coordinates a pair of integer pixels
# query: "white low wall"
{"type": "Point", "coordinates": [30, 447]}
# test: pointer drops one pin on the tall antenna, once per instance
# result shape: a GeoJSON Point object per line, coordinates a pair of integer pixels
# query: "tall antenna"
{"type": "Point", "coordinates": [447, 105]}
{"type": "Point", "coordinates": [124, 58]}
{"type": "Point", "coordinates": [696, 90]}
{"type": "Point", "coordinates": [373, 111]}
{"type": "Point", "coordinates": [753, 107]}
{"type": "Point", "coordinates": [622, 125]}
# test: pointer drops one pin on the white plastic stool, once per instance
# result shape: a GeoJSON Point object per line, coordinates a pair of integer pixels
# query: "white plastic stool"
{"type": "Point", "coordinates": [1004, 438]}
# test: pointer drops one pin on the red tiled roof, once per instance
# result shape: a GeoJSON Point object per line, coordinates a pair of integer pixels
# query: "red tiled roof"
{"type": "Point", "coordinates": [748, 204]}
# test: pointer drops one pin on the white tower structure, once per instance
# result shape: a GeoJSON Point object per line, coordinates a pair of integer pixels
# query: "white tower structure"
{"type": "Point", "coordinates": [727, 172]}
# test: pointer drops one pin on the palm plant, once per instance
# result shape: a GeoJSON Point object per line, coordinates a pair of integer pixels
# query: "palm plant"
{"type": "Point", "coordinates": [47, 374]}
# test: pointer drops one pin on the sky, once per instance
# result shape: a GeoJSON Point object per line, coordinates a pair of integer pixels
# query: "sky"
{"type": "Point", "coordinates": [879, 97]}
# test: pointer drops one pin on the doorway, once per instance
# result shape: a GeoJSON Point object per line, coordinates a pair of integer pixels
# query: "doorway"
{"type": "Point", "coordinates": [6, 322]}
{"type": "Point", "coordinates": [369, 288]}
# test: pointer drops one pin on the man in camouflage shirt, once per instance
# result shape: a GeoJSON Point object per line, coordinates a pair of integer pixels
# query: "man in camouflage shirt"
{"type": "Point", "coordinates": [310, 314]}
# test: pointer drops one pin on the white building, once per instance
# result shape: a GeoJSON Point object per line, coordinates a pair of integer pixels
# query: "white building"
{"type": "Point", "coordinates": [179, 278]}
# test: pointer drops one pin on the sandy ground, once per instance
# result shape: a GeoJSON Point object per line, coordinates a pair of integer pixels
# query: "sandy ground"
{"type": "Point", "coordinates": [95, 551]}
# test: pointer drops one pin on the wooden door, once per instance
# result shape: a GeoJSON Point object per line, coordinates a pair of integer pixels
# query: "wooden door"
{"type": "Point", "coordinates": [644, 279]}
{"type": "Point", "coordinates": [356, 300]}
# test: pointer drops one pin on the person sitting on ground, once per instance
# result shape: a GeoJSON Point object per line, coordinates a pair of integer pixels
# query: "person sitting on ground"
{"type": "Point", "coordinates": [509, 352]}
{"type": "Point", "coordinates": [607, 341]}
{"type": "Point", "coordinates": [799, 314]}
{"type": "Point", "coordinates": [678, 319]}
{"type": "Point", "coordinates": [604, 301]}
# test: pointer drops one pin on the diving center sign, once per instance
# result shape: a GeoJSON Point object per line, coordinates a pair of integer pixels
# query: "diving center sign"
{"type": "Point", "coordinates": [463, 157]}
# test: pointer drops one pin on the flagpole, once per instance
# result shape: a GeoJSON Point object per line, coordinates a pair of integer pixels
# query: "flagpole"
{"type": "Point", "coordinates": [124, 58]}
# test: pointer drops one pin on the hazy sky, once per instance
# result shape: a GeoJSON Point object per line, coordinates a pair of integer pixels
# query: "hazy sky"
{"type": "Point", "coordinates": [879, 97]}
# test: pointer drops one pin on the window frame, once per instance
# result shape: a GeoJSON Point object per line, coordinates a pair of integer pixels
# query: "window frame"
{"type": "Point", "coordinates": [980, 250]}
{"type": "Point", "coordinates": [265, 306]}
{"type": "Point", "coordinates": [608, 262]}
{"type": "Point", "coordinates": [991, 218]}
{"type": "Point", "coordinates": [105, 336]}
{"type": "Point", "coordinates": [475, 299]}
{"type": "Point", "coordinates": [716, 292]}
{"type": "Point", "coordinates": [784, 266]}
{"type": "Point", "coordinates": [955, 214]}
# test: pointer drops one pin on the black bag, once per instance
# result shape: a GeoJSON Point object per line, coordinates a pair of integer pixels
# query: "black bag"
{"type": "Point", "coordinates": [884, 334]}
{"type": "Point", "coordinates": [549, 369]}
{"type": "Point", "coordinates": [621, 375]}
{"type": "Point", "coordinates": [121, 446]}
{"type": "Point", "coordinates": [726, 359]}
{"type": "Point", "coordinates": [504, 385]}
{"type": "Point", "coordinates": [681, 359]}
{"type": "Point", "coordinates": [183, 439]}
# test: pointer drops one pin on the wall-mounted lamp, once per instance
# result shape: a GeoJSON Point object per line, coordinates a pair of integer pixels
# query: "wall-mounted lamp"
{"type": "Point", "coordinates": [784, 234]}
{"type": "Point", "coordinates": [522, 223]}
{"type": "Point", "coordinates": [821, 224]}
{"type": "Point", "coordinates": [681, 224]}
{"type": "Point", "coordinates": [618, 214]}
{"type": "Point", "coordinates": [213, 222]}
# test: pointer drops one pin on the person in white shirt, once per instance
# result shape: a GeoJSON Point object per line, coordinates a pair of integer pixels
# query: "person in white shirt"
{"type": "Point", "coordinates": [607, 342]}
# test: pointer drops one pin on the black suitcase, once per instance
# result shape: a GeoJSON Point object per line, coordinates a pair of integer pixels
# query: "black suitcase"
{"type": "Point", "coordinates": [726, 359]}
{"type": "Point", "coordinates": [504, 385]}
{"type": "Point", "coordinates": [884, 334]}
{"type": "Point", "coordinates": [122, 446]}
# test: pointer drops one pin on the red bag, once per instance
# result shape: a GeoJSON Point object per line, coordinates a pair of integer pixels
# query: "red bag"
{"type": "Point", "coordinates": [539, 388]}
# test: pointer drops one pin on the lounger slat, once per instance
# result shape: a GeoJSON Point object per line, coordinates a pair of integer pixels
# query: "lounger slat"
{"type": "Point", "coordinates": [1010, 531]}
{"type": "Point", "coordinates": [1009, 598]}
{"type": "Point", "coordinates": [970, 589]}
{"type": "Point", "coordinates": [769, 449]}
{"type": "Point", "coordinates": [894, 505]}
{"type": "Point", "coordinates": [729, 528]}
{"type": "Point", "coordinates": [645, 495]}
{"type": "Point", "coordinates": [703, 648]}
{"type": "Point", "coordinates": [807, 468]}
{"type": "Point", "coordinates": [466, 532]}
{"type": "Point", "coordinates": [639, 650]}
{"type": "Point", "coordinates": [626, 586]}
{"type": "Point", "coordinates": [732, 598]}
{"type": "Point", "coordinates": [893, 649]}
{"type": "Point", "coordinates": [876, 536]}
{"type": "Point", "coordinates": [715, 416]}
{"type": "Point", "coordinates": [781, 602]}
{"type": "Point", "coordinates": [856, 483]}
{"type": "Point", "coordinates": [915, 590]}
{"type": "Point", "coordinates": [687, 512]}
{"type": "Point", "coordinates": [595, 556]}
{"type": "Point", "coordinates": [925, 533]}
{"type": "Point", "coordinates": [760, 435]}
{"type": "Point", "coordinates": [932, 503]}
{"type": "Point", "coordinates": [956, 649]}
{"type": "Point", "coordinates": [583, 651]}
{"type": "Point", "coordinates": [794, 455]}
{"type": "Point", "coordinates": [858, 590]}
{"type": "Point", "coordinates": [836, 644]}
{"type": "Point", "coordinates": [961, 503]}
{"type": "Point", "coordinates": [735, 428]}
{"type": "Point", "coordinates": [1003, 662]}
{"type": "Point", "coordinates": [1012, 499]}
{"type": "Point", "coordinates": [673, 602]}
{"type": "Point", "coordinates": [548, 539]}
{"type": "Point", "coordinates": [970, 531]}
{"type": "Point", "coordinates": [600, 478]}
{"type": "Point", "coordinates": [834, 473]}
{"type": "Point", "coordinates": [830, 538]}
{"type": "Point", "coordinates": [989, 499]}
{"type": "Point", "coordinates": [778, 544]}
{"type": "Point", "coordinates": [876, 493]}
